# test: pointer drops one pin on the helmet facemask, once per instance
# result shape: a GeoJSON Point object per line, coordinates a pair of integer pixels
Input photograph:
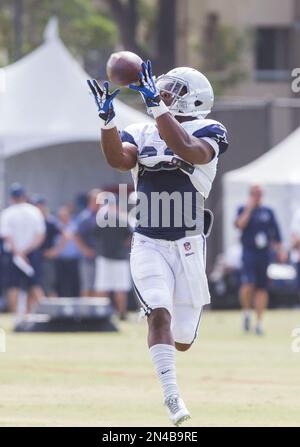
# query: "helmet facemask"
{"type": "Point", "coordinates": [185, 102]}
{"type": "Point", "coordinates": [177, 88]}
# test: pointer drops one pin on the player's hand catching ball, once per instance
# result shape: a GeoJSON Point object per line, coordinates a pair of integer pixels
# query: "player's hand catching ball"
{"type": "Point", "coordinates": [103, 99]}
{"type": "Point", "coordinates": [147, 87]}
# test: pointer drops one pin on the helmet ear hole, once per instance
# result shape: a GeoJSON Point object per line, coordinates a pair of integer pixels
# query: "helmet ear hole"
{"type": "Point", "coordinates": [198, 103]}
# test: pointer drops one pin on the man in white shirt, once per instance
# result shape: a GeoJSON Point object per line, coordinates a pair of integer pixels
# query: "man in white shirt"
{"type": "Point", "coordinates": [22, 228]}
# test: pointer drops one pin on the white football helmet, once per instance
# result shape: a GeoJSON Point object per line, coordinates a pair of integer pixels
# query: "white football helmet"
{"type": "Point", "coordinates": [191, 90]}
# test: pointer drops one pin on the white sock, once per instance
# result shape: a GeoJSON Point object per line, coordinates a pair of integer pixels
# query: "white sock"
{"type": "Point", "coordinates": [163, 357]}
{"type": "Point", "coordinates": [247, 313]}
{"type": "Point", "coordinates": [258, 325]}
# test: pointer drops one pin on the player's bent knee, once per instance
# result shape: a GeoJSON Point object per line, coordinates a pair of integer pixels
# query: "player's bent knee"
{"type": "Point", "coordinates": [159, 318]}
{"type": "Point", "coordinates": [182, 346]}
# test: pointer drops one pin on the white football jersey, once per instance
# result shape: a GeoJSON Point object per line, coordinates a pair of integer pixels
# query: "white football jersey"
{"type": "Point", "coordinates": [152, 149]}
{"type": "Point", "coordinates": [190, 183]}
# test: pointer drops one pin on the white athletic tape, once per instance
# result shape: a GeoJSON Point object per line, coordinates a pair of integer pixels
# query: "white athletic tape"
{"type": "Point", "coordinates": [110, 125]}
{"type": "Point", "coordinates": [159, 110]}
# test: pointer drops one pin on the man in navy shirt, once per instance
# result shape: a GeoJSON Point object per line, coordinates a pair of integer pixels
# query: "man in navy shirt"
{"type": "Point", "coordinates": [259, 236]}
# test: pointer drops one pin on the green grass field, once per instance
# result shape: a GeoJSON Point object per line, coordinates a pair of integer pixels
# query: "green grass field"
{"type": "Point", "coordinates": [227, 379]}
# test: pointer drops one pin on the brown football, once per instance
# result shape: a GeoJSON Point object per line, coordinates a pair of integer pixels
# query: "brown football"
{"type": "Point", "coordinates": [122, 68]}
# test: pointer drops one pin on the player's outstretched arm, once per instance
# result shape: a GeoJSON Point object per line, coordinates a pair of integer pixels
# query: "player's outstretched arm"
{"type": "Point", "coordinates": [189, 148]}
{"type": "Point", "coordinates": [122, 156]}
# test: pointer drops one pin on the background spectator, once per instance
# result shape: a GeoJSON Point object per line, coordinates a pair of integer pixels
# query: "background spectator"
{"type": "Point", "coordinates": [295, 235]}
{"type": "Point", "coordinates": [49, 249]}
{"type": "Point", "coordinates": [112, 262]}
{"type": "Point", "coordinates": [23, 231]}
{"type": "Point", "coordinates": [259, 235]}
{"type": "Point", "coordinates": [86, 240]}
{"type": "Point", "coordinates": [67, 261]}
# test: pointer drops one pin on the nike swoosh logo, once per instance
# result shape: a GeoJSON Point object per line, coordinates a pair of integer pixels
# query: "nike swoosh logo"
{"type": "Point", "coordinates": [189, 254]}
{"type": "Point", "coordinates": [164, 372]}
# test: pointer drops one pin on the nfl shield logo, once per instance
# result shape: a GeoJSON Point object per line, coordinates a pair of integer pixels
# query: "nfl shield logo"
{"type": "Point", "coordinates": [187, 246]}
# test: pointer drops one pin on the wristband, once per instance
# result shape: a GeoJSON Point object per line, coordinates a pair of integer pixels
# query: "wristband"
{"type": "Point", "coordinates": [107, 126]}
{"type": "Point", "coordinates": [159, 110]}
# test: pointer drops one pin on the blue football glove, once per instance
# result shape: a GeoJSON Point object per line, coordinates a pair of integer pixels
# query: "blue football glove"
{"type": "Point", "coordinates": [147, 87]}
{"type": "Point", "coordinates": [103, 99]}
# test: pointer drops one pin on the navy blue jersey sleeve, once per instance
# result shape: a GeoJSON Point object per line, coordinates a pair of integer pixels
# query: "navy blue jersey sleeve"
{"type": "Point", "coordinates": [126, 137]}
{"type": "Point", "coordinates": [216, 132]}
{"type": "Point", "coordinates": [275, 232]}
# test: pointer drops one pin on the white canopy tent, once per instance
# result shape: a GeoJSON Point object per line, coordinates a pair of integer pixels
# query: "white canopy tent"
{"type": "Point", "coordinates": [45, 102]}
{"type": "Point", "coordinates": [278, 171]}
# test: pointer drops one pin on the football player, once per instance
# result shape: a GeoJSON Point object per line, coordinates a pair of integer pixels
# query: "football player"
{"type": "Point", "coordinates": [176, 155]}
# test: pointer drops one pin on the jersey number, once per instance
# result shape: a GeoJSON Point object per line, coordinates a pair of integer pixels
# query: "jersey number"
{"type": "Point", "coordinates": [150, 151]}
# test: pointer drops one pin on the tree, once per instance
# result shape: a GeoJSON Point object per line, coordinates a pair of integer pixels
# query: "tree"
{"type": "Point", "coordinates": [18, 28]}
{"type": "Point", "coordinates": [126, 16]}
{"type": "Point", "coordinates": [6, 35]}
{"type": "Point", "coordinates": [166, 36]}
{"type": "Point", "coordinates": [149, 30]}
{"type": "Point", "coordinates": [93, 29]}
{"type": "Point", "coordinates": [83, 27]}
{"type": "Point", "coordinates": [221, 50]}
